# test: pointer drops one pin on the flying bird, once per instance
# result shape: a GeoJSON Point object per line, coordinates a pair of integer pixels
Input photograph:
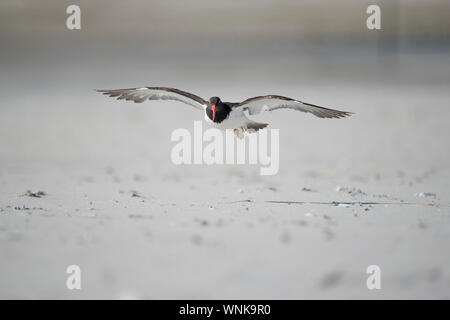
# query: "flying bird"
{"type": "Point", "coordinates": [226, 115]}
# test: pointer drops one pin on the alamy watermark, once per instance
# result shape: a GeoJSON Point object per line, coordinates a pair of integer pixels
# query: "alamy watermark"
{"type": "Point", "coordinates": [73, 281]}
{"type": "Point", "coordinates": [373, 21]}
{"type": "Point", "coordinates": [222, 147]}
{"type": "Point", "coordinates": [73, 21]}
{"type": "Point", "coordinates": [374, 280]}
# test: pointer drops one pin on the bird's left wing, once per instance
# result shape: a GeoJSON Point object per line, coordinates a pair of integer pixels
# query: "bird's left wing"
{"type": "Point", "coordinates": [139, 95]}
{"type": "Point", "coordinates": [260, 104]}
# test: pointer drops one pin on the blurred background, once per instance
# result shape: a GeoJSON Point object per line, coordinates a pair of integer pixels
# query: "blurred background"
{"type": "Point", "coordinates": [223, 41]}
{"type": "Point", "coordinates": [318, 51]}
{"type": "Point", "coordinates": [87, 151]}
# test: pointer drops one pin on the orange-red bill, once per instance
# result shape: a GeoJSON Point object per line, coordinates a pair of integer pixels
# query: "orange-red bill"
{"type": "Point", "coordinates": [214, 108]}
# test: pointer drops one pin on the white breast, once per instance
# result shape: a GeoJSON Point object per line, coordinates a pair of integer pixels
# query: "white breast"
{"type": "Point", "coordinates": [236, 119]}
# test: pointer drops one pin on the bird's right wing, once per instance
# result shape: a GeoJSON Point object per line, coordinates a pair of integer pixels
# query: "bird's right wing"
{"type": "Point", "coordinates": [257, 105]}
{"type": "Point", "coordinates": [139, 95]}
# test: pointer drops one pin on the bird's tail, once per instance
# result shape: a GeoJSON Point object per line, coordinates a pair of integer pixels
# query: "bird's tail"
{"type": "Point", "coordinates": [255, 126]}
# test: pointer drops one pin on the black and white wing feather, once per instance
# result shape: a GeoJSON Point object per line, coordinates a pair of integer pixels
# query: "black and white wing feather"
{"type": "Point", "coordinates": [257, 105]}
{"type": "Point", "coordinates": [140, 95]}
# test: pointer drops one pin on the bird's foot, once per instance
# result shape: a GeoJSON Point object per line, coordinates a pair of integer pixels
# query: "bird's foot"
{"type": "Point", "coordinates": [239, 133]}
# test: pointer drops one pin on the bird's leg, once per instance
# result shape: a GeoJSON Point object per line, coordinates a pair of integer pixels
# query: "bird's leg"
{"type": "Point", "coordinates": [239, 133]}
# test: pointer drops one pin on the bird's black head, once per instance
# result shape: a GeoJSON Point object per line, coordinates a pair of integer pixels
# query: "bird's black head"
{"type": "Point", "coordinates": [213, 100]}
{"type": "Point", "coordinates": [216, 110]}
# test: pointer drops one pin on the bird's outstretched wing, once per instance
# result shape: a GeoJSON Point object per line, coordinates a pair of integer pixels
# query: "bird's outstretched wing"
{"type": "Point", "coordinates": [260, 104]}
{"type": "Point", "coordinates": [139, 95]}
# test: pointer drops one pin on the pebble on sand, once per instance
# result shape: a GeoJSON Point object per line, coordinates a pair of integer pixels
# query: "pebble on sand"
{"type": "Point", "coordinates": [304, 189]}
{"type": "Point", "coordinates": [351, 191]}
{"type": "Point", "coordinates": [425, 194]}
{"type": "Point", "coordinates": [34, 194]}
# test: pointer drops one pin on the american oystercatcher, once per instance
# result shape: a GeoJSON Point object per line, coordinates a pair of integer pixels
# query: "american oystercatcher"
{"type": "Point", "coordinates": [226, 115]}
